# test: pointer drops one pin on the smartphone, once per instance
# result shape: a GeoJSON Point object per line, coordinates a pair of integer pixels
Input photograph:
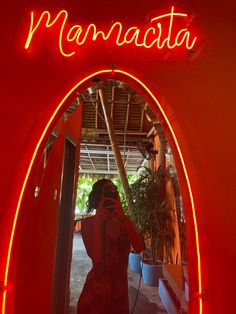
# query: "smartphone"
{"type": "Point", "coordinates": [110, 192]}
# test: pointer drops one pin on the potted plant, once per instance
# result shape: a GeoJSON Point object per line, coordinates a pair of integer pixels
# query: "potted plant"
{"type": "Point", "coordinates": [135, 261]}
{"type": "Point", "coordinates": [153, 218]}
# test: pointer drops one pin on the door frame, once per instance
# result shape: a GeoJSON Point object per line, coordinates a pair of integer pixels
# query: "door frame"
{"type": "Point", "coordinates": [62, 262]}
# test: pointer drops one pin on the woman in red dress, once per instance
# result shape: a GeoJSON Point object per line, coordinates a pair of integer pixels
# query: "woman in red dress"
{"type": "Point", "coordinates": [108, 237]}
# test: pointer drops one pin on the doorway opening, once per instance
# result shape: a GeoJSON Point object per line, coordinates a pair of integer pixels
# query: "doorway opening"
{"type": "Point", "coordinates": [143, 145]}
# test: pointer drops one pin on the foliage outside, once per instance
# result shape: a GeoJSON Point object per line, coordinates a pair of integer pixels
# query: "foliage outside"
{"type": "Point", "coordinates": [84, 187]}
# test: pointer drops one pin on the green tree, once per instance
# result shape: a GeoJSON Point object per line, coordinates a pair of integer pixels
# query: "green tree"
{"type": "Point", "coordinates": [84, 187]}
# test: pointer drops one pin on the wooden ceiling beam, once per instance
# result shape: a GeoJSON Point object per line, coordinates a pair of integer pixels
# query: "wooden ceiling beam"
{"type": "Point", "coordinates": [118, 132]}
{"type": "Point", "coordinates": [103, 145]}
{"type": "Point", "coordinates": [91, 159]}
{"type": "Point", "coordinates": [115, 146]}
{"type": "Point", "coordinates": [108, 158]}
{"type": "Point", "coordinates": [96, 114]}
{"type": "Point", "coordinates": [108, 152]}
{"type": "Point", "coordinates": [112, 101]}
{"type": "Point", "coordinates": [142, 121]}
{"type": "Point", "coordinates": [114, 172]}
{"type": "Point", "coordinates": [127, 113]}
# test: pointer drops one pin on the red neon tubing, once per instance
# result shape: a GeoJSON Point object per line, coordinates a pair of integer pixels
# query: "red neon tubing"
{"type": "Point", "coordinates": [105, 71]}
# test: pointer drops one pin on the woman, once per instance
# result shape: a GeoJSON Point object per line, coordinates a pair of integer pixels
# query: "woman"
{"type": "Point", "coordinates": [108, 237]}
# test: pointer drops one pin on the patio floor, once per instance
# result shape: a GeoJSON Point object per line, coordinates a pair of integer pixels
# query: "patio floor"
{"type": "Point", "coordinates": [148, 300]}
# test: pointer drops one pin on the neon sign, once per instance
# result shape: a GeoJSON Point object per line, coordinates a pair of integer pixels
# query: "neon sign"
{"type": "Point", "coordinates": [167, 31]}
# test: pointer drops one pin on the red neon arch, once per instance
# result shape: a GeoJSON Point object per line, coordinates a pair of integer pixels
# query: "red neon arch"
{"type": "Point", "coordinates": [106, 71]}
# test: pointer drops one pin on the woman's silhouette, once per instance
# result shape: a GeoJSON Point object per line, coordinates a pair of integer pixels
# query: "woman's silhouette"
{"type": "Point", "coordinates": [108, 236]}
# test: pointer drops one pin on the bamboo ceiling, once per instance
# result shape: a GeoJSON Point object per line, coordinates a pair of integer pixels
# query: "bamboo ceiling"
{"type": "Point", "coordinates": [132, 120]}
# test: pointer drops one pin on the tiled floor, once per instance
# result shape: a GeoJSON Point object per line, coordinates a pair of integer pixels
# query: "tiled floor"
{"type": "Point", "coordinates": [148, 301]}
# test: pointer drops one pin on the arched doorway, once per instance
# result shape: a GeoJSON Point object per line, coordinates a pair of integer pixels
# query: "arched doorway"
{"type": "Point", "coordinates": [195, 274]}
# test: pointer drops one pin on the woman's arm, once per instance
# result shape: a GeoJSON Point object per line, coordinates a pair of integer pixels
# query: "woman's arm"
{"type": "Point", "coordinates": [135, 238]}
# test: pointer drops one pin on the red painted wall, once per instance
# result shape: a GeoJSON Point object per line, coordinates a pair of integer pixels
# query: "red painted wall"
{"type": "Point", "coordinates": [33, 253]}
{"type": "Point", "coordinates": [198, 96]}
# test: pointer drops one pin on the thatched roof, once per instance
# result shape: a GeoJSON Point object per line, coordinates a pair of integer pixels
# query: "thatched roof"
{"type": "Point", "coordinates": [133, 124]}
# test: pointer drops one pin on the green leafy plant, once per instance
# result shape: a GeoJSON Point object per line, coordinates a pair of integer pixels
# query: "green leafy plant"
{"type": "Point", "coordinates": [151, 215]}
{"type": "Point", "coordinates": [84, 187]}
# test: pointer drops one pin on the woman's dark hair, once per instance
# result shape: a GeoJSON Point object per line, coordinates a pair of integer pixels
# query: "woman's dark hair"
{"type": "Point", "coordinates": [96, 194]}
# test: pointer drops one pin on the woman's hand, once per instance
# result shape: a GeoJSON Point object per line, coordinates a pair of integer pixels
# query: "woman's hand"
{"type": "Point", "coordinates": [119, 210]}
{"type": "Point", "coordinates": [106, 206]}
{"type": "Point", "coordinates": [109, 206]}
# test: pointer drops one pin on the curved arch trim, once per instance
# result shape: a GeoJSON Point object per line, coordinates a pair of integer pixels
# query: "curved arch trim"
{"type": "Point", "coordinates": [21, 194]}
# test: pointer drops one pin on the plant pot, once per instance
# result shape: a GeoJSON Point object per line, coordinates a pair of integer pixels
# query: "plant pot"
{"type": "Point", "coordinates": [135, 262]}
{"type": "Point", "coordinates": [151, 273]}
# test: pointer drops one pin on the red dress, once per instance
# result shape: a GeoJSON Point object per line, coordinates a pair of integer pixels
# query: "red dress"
{"type": "Point", "coordinates": [106, 287]}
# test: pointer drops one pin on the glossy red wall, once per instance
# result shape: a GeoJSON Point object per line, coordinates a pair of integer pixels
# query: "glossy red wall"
{"type": "Point", "coordinates": [198, 96]}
